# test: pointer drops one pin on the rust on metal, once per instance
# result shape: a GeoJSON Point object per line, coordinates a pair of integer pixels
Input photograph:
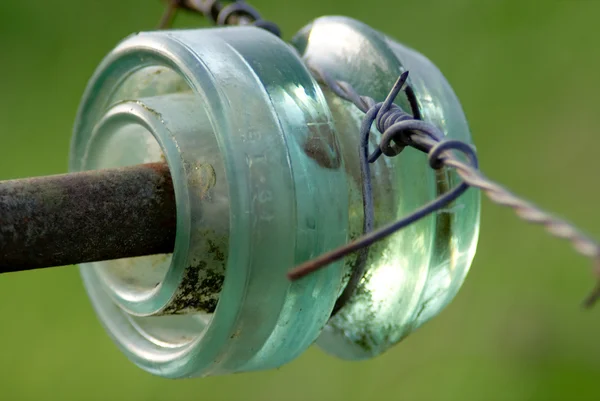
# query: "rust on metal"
{"type": "Point", "coordinates": [88, 216]}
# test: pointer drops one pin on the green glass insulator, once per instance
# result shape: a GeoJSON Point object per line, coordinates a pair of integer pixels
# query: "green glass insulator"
{"type": "Point", "coordinates": [234, 113]}
{"type": "Point", "coordinates": [264, 163]}
{"type": "Point", "coordinates": [412, 275]}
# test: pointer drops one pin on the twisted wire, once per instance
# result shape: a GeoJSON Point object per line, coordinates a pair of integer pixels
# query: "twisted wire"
{"type": "Point", "coordinates": [399, 130]}
{"type": "Point", "coordinates": [220, 13]}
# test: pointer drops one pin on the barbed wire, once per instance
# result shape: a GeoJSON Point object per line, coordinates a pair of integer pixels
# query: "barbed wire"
{"type": "Point", "coordinates": [398, 130]}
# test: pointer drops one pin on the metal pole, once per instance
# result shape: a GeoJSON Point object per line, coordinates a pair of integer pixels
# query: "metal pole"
{"type": "Point", "coordinates": [89, 216]}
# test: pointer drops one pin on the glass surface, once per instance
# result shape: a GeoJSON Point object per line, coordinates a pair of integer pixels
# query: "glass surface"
{"type": "Point", "coordinates": [414, 273]}
{"type": "Point", "coordinates": [273, 145]}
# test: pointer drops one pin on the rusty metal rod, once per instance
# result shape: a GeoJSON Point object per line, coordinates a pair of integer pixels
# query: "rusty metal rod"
{"type": "Point", "coordinates": [89, 216]}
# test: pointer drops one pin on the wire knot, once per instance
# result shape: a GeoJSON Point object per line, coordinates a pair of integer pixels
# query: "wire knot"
{"type": "Point", "coordinates": [399, 128]}
{"type": "Point", "coordinates": [403, 130]}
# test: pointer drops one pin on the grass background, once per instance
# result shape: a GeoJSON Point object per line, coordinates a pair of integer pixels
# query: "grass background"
{"type": "Point", "coordinates": [527, 75]}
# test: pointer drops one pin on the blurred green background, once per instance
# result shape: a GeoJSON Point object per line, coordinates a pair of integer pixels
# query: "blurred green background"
{"type": "Point", "coordinates": [527, 73]}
